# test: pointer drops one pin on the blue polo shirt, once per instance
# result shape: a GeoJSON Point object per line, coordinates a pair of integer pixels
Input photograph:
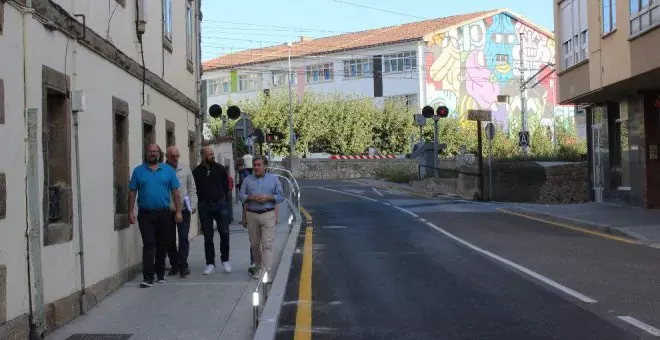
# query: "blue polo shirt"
{"type": "Point", "coordinates": [154, 187]}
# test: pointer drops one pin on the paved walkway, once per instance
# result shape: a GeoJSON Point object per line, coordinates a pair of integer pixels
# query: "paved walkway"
{"type": "Point", "coordinates": [198, 307]}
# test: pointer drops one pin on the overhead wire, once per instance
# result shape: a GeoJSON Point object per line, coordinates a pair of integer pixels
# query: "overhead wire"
{"type": "Point", "coordinates": [378, 9]}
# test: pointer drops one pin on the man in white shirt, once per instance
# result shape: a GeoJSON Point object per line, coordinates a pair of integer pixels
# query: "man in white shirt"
{"type": "Point", "coordinates": [179, 257]}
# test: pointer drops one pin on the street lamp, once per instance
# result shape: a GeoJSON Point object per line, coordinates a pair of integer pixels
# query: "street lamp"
{"type": "Point", "coordinates": [291, 142]}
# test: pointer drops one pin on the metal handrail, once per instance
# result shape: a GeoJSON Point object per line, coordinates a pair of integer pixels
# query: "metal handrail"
{"type": "Point", "coordinates": [295, 182]}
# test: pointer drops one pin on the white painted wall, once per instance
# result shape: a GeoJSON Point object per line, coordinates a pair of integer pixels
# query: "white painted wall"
{"type": "Point", "coordinates": [393, 83]}
{"type": "Point", "coordinates": [107, 251]}
{"type": "Point", "coordinates": [171, 66]}
{"type": "Point", "coordinates": [12, 155]}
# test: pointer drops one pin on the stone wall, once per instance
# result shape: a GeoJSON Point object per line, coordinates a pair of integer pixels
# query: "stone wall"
{"type": "Point", "coordinates": [531, 182]}
{"type": "Point", "coordinates": [348, 168]}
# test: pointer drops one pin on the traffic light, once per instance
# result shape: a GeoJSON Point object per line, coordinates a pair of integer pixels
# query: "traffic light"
{"type": "Point", "coordinates": [233, 112]}
{"type": "Point", "coordinates": [269, 138]}
{"type": "Point", "coordinates": [427, 111]}
{"type": "Point", "coordinates": [260, 136]}
{"type": "Point", "coordinates": [215, 111]}
{"type": "Point", "coordinates": [442, 111]}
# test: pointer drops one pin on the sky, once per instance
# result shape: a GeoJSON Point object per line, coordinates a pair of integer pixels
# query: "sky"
{"type": "Point", "coordinates": [231, 26]}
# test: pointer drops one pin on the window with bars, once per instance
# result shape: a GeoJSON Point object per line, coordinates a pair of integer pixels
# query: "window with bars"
{"type": "Point", "coordinates": [644, 14]}
{"type": "Point", "coordinates": [358, 68]}
{"type": "Point", "coordinates": [218, 86]}
{"type": "Point", "coordinates": [574, 32]}
{"type": "Point", "coordinates": [400, 62]}
{"type": "Point", "coordinates": [249, 82]}
{"type": "Point", "coordinates": [320, 73]}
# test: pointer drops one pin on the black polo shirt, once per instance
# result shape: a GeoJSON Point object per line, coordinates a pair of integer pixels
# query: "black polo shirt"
{"type": "Point", "coordinates": [212, 182]}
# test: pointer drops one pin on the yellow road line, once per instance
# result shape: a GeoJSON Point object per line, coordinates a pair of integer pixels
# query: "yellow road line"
{"type": "Point", "coordinates": [304, 311]}
{"type": "Point", "coordinates": [574, 228]}
{"type": "Point", "coordinates": [308, 217]}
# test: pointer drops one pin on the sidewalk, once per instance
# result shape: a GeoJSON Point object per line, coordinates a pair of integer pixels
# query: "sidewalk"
{"type": "Point", "coordinates": [640, 224]}
{"type": "Point", "coordinates": [217, 306]}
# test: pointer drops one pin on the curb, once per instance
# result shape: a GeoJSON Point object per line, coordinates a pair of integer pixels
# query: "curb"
{"type": "Point", "coordinates": [270, 315]}
{"type": "Point", "coordinates": [603, 228]}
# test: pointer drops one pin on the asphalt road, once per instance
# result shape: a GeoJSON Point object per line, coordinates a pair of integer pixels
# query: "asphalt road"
{"type": "Point", "coordinates": [390, 265]}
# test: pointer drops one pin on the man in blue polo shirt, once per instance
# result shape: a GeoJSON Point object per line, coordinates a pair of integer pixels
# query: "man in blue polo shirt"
{"type": "Point", "coordinates": [154, 183]}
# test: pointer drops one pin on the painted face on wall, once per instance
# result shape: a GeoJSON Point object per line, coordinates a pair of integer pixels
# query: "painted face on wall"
{"type": "Point", "coordinates": [501, 37]}
{"type": "Point", "coordinates": [473, 36]}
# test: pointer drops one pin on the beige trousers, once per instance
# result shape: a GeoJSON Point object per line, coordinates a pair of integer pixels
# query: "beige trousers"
{"type": "Point", "coordinates": [261, 228]}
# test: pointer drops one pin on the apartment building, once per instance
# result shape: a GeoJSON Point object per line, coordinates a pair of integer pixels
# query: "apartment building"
{"type": "Point", "coordinates": [116, 75]}
{"type": "Point", "coordinates": [469, 61]}
{"type": "Point", "coordinates": [608, 67]}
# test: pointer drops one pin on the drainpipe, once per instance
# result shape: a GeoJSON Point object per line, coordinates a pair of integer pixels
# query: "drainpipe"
{"type": "Point", "coordinates": [32, 195]}
{"type": "Point", "coordinates": [81, 246]}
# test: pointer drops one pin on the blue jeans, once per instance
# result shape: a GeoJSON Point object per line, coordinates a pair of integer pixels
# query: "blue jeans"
{"type": "Point", "coordinates": [218, 212]}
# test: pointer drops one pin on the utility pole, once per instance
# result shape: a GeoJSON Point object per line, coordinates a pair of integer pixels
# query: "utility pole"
{"type": "Point", "coordinates": [291, 142]}
{"type": "Point", "coordinates": [523, 93]}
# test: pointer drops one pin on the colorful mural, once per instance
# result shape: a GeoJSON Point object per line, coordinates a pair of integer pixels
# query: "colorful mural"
{"type": "Point", "coordinates": [468, 67]}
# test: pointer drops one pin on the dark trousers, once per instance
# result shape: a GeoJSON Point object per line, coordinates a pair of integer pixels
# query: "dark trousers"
{"type": "Point", "coordinates": [153, 228]}
{"type": "Point", "coordinates": [218, 212]}
{"type": "Point", "coordinates": [230, 208]}
{"type": "Point", "coordinates": [179, 257]}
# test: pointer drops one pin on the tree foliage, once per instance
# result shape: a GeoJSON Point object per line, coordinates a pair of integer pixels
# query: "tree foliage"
{"type": "Point", "coordinates": [349, 124]}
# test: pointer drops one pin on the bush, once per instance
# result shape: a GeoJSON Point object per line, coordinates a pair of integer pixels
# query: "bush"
{"type": "Point", "coordinates": [396, 174]}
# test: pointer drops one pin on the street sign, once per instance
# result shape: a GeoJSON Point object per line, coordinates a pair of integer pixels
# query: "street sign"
{"type": "Point", "coordinates": [243, 128]}
{"type": "Point", "coordinates": [420, 120]}
{"type": "Point", "coordinates": [483, 115]}
{"type": "Point", "coordinates": [523, 138]}
{"type": "Point", "coordinates": [490, 131]}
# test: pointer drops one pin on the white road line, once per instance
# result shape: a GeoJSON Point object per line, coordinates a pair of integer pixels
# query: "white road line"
{"type": "Point", "coordinates": [387, 204]}
{"type": "Point", "coordinates": [346, 193]}
{"type": "Point", "coordinates": [527, 271]}
{"type": "Point", "coordinates": [378, 192]}
{"type": "Point", "coordinates": [645, 327]}
{"type": "Point", "coordinates": [423, 220]}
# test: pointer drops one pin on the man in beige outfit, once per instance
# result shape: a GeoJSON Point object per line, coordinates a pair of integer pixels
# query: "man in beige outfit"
{"type": "Point", "coordinates": [261, 192]}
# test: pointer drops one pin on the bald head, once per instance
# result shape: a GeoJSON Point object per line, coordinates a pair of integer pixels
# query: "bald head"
{"type": "Point", "coordinates": [207, 155]}
{"type": "Point", "coordinates": [172, 155]}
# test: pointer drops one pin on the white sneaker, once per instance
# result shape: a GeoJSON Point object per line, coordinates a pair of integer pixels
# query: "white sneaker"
{"type": "Point", "coordinates": [257, 274]}
{"type": "Point", "coordinates": [227, 267]}
{"type": "Point", "coordinates": [209, 269]}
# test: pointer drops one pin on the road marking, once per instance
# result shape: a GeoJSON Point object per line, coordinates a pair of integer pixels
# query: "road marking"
{"type": "Point", "coordinates": [308, 217]}
{"type": "Point", "coordinates": [347, 193]}
{"type": "Point", "coordinates": [304, 308]}
{"type": "Point", "coordinates": [643, 326]}
{"type": "Point", "coordinates": [378, 192]}
{"type": "Point", "coordinates": [574, 228]}
{"type": "Point", "coordinates": [512, 264]}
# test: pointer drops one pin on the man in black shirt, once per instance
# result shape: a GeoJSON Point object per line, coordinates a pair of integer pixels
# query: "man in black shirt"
{"type": "Point", "coordinates": [212, 182]}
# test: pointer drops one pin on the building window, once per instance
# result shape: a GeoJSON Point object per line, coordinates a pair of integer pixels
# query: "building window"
{"type": "Point", "coordinates": [148, 130]}
{"type": "Point", "coordinates": [502, 58]}
{"type": "Point", "coordinates": [191, 149]}
{"type": "Point", "coordinates": [218, 86]}
{"type": "Point", "coordinates": [279, 78]}
{"type": "Point", "coordinates": [358, 68]}
{"type": "Point", "coordinates": [249, 82]}
{"type": "Point", "coordinates": [644, 14]}
{"type": "Point", "coordinates": [167, 23]}
{"type": "Point", "coordinates": [190, 39]}
{"type": "Point", "coordinates": [574, 40]}
{"type": "Point", "coordinates": [410, 100]}
{"type": "Point", "coordinates": [121, 162]}
{"type": "Point", "coordinates": [57, 158]}
{"type": "Point", "coordinates": [170, 138]}
{"type": "Point", "coordinates": [400, 62]}
{"type": "Point", "coordinates": [320, 73]}
{"type": "Point", "coordinates": [609, 15]}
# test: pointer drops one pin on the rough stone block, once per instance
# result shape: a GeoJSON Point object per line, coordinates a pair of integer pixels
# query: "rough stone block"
{"type": "Point", "coordinates": [3, 294]}
{"type": "Point", "coordinates": [3, 195]}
